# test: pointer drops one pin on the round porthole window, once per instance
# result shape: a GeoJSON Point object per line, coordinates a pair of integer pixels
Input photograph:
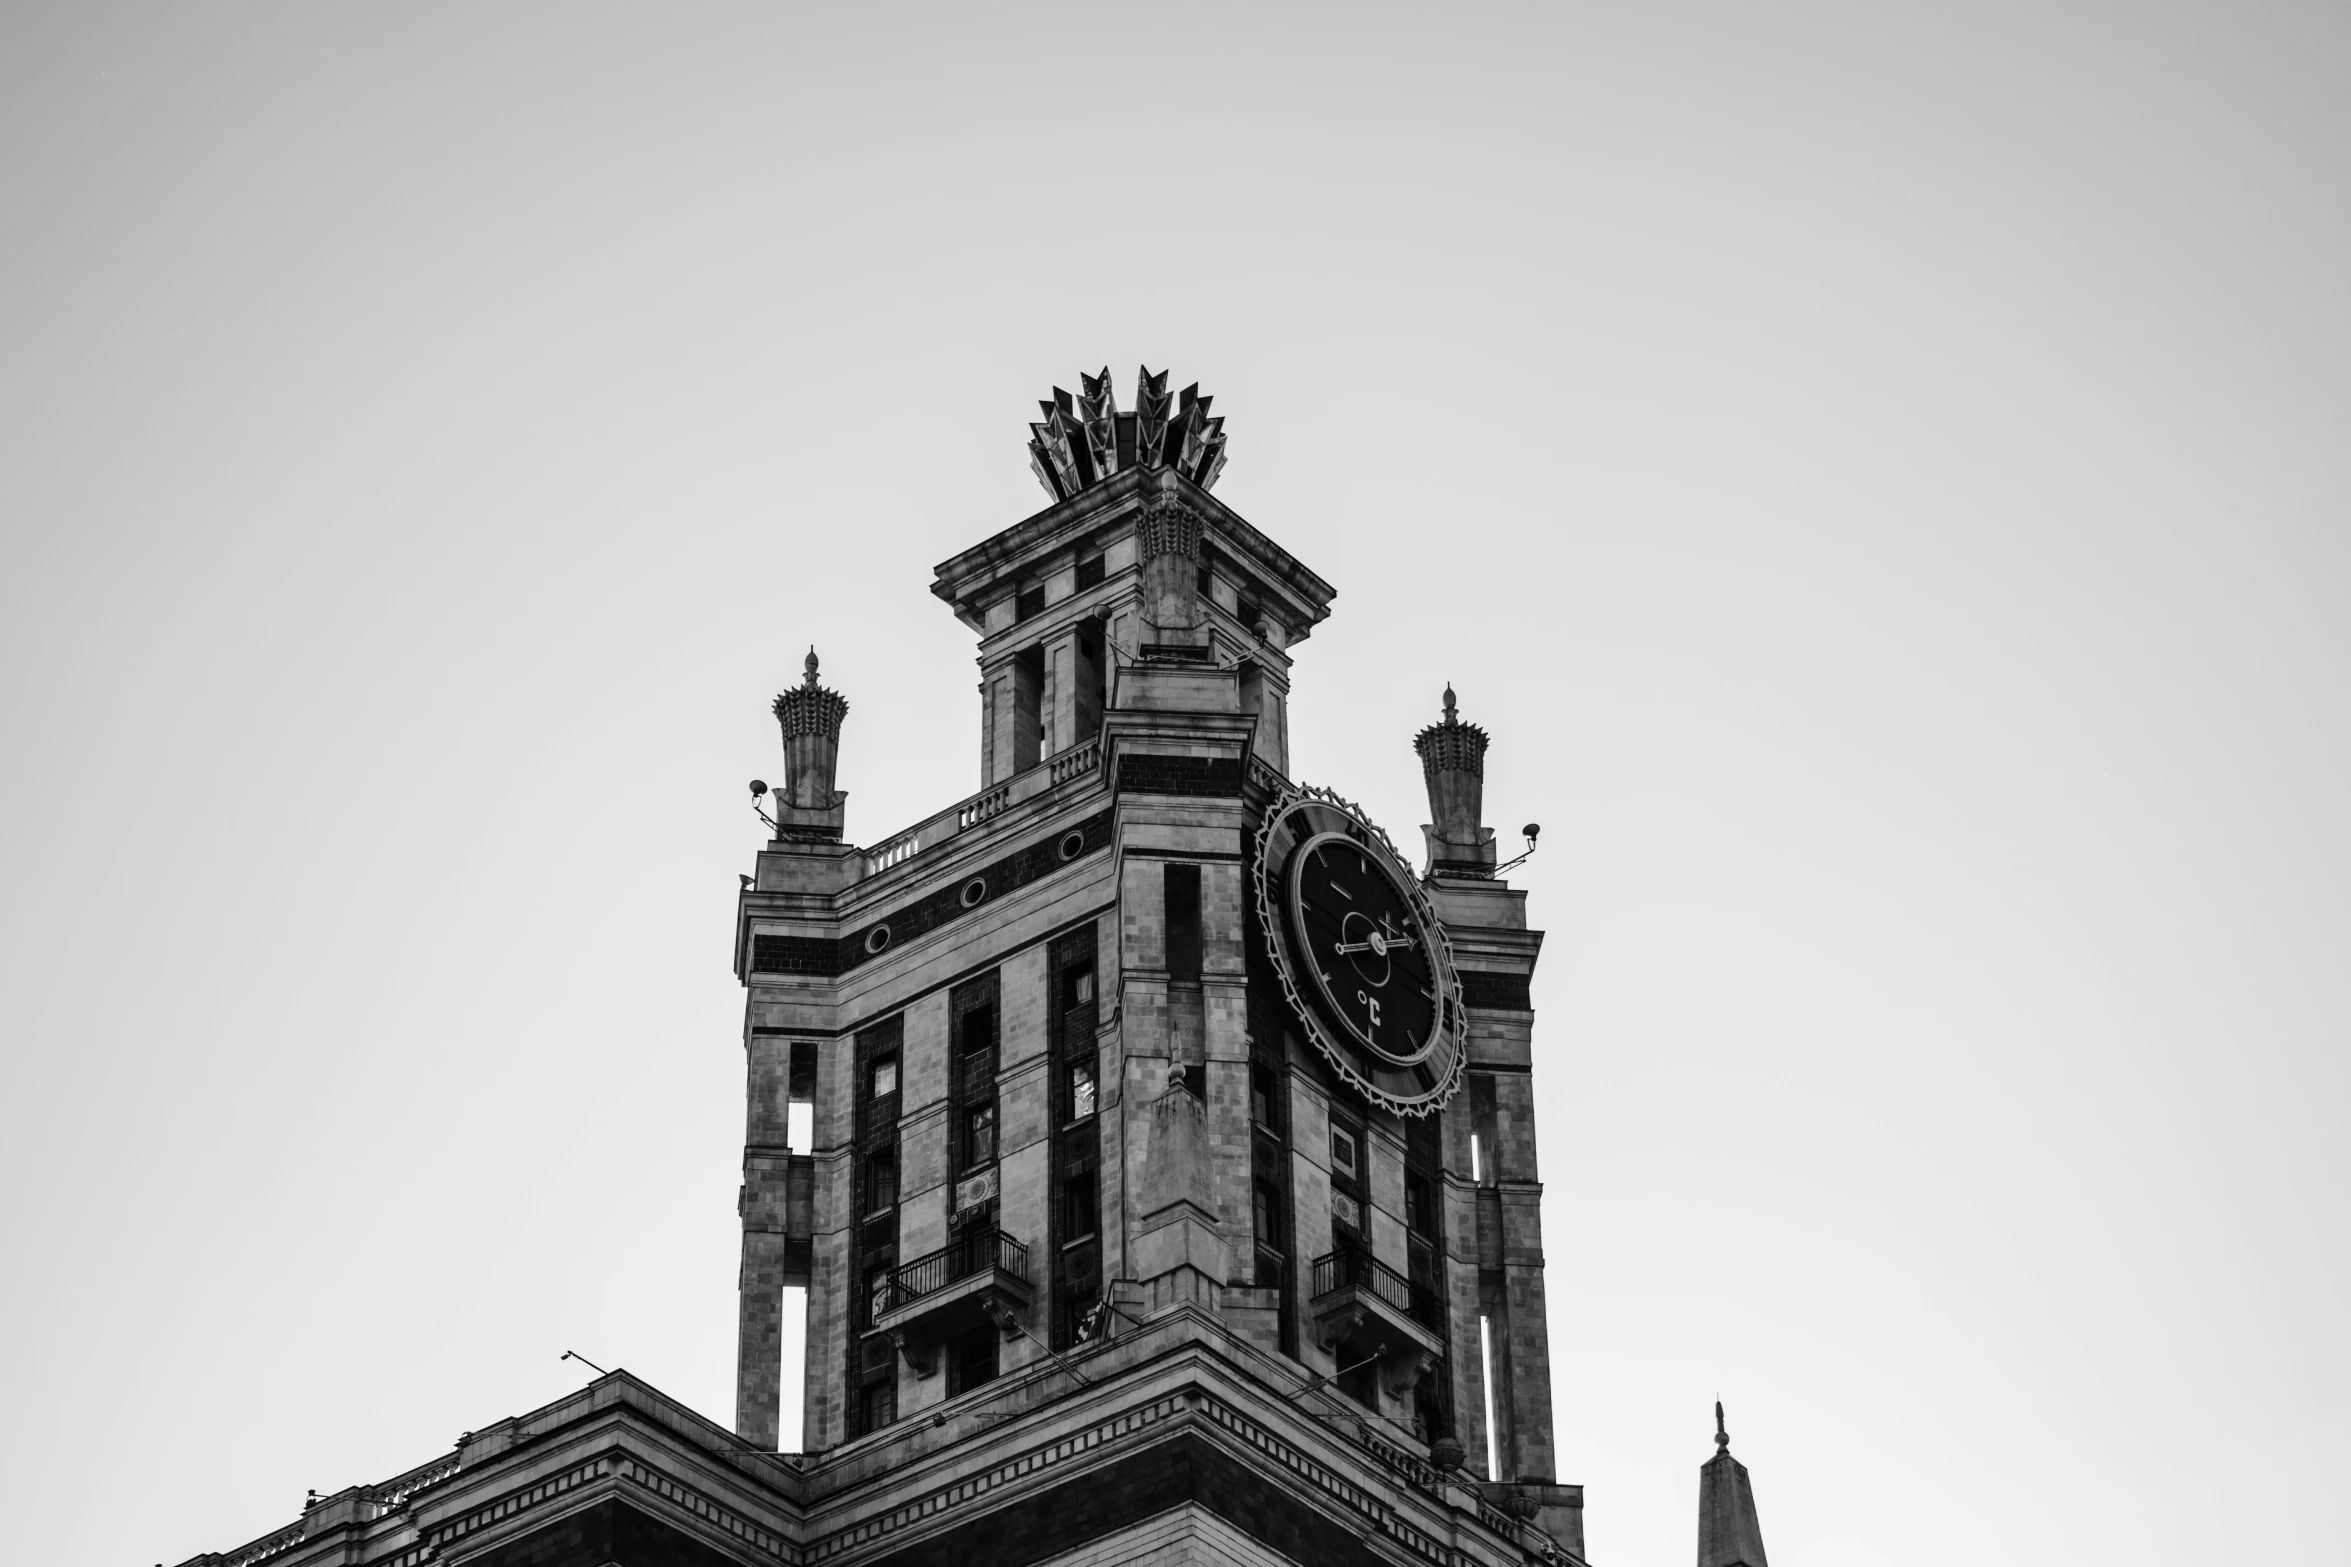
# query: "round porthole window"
{"type": "Point", "coordinates": [973, 891]}
{"type": "Point", "coordinates": [1073, 844]}
{"type": "Point", "coordinates": [876, 939]}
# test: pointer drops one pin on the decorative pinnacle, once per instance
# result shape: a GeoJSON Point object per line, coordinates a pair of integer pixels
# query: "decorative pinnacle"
{"type": "Point", "coordinates": [808, 708]}
{"type": "Point", "coordinates": [1084, 440]}
{"type": "Point", "coordinates": [1722, 1438]}
{"type": "Point", "coordinates": [1451, 746]}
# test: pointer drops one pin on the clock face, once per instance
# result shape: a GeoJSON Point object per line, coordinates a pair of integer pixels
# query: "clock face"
{"type": "Point", "coordinates": [1366, 947]}
{"type": "Point", "coordinates": [1359, 952]}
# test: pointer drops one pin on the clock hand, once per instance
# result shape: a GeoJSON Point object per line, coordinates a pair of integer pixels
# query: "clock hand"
{"type": "Point", "coordinates": [1383, 947]}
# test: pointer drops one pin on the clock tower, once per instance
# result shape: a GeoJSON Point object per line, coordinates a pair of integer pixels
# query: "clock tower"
{"type": "Point", "coordinates": [1147, 1034]}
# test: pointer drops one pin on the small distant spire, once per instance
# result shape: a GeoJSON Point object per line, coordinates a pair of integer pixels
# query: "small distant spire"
{"type": "Point", "coordinates": [1449, 701]}
{"type": "Point", "coordinates": [1729, 1534]}
{"type": "Point", "coordinates": [808, 678]}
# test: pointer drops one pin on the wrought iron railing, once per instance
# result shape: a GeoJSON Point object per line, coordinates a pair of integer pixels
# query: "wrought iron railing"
{"type": "Point", "coordinates": [961, 1258]}
{"type": "Point", "coordinates": [1351, 1267]}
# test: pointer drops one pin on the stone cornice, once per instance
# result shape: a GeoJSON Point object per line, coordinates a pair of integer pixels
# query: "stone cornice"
{"type": "Point", "coordinates": [1180, 1379]}
{"type": "Point", "coordinates": [1304, 598]}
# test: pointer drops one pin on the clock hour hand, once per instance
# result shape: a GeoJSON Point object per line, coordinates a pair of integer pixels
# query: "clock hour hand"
{"type": "Point", "coordinates": [1382, 945]}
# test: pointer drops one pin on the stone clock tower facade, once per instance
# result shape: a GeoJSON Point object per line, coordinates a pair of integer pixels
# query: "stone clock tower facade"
{"type": "Point", "coordinates": [1148, 1138]}
{"type": "Point", "coordinates": [1146, 1030]}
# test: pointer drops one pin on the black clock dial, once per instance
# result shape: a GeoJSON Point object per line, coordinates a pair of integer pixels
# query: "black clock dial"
{"type": "Point", "coordinates": [1366, 946]}
{"type": "Point", "coordinates": [1359, 953]}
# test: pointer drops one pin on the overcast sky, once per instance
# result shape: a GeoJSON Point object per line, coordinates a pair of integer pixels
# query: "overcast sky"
{"type": "Point", "coordinates": [1879, 472]}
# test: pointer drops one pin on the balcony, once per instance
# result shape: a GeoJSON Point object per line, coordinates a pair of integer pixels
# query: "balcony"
{"type": "Point", "coordinates": [1080, 761]}
{"type": "Point", "coordinates": [1362, 1308]}
{"type": "Point", "coordinates": [979, 1277]}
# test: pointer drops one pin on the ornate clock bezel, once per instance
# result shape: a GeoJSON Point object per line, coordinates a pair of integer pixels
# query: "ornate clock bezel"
{"type": "Point", "coordinates": [1451, 1025]}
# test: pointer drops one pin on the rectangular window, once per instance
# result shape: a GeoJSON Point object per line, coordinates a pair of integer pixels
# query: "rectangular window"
{"type": "Point", "coordinates": [882, 1082]}
{"type": "Point", "coordinates": [971, 1361]}
{"type": "Point", "coordinates": [979, 1135]}
{"type": "Point", "coordinates": [1080, 1208]}
{"type": "Point", "coordinates": [1266, 1212]}
{"type": "Point", "coordinates": [881, 1180]}
{"type": "Point", "coordinates": [1343, 1154]}
{"type": "Point", "coordinates": [1089, 572]}
{"type": "Point", "coordinates": [978, 1031]}
{"type": "Point", "coordinates": [1265, 1098]}
{"type": "Point", "coordinates": [1078, 988]}
{"type": "Point", "coordinates": [1183, 921]}
{"type": "Point", "coordinates": [1420, 1209]}
{"type": "Point", "coordinates": [973, 1031]}
{"type": "Point", "coordinates": [1030, 604]}
{"type": "Point", "coordinates": [879, 1406]}
{"type": "Point", "coordinates": [1081, 1090]}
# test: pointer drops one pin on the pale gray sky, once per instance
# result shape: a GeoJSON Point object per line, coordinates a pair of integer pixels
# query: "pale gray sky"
{"type": "Point", "coordinates": [1878, 471]}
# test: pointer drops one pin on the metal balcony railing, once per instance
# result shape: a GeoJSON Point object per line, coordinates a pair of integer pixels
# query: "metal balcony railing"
{"type": "Point", "coordinates": [1351, 1267]}
{"type": "Point", "coordinates": [961, 1258]}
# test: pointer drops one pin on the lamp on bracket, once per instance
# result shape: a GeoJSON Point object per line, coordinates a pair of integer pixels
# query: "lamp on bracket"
{"type": "Point", "coordinates": [759, 793]}
{"type": "Point", "coordinates": [1533, 830]}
